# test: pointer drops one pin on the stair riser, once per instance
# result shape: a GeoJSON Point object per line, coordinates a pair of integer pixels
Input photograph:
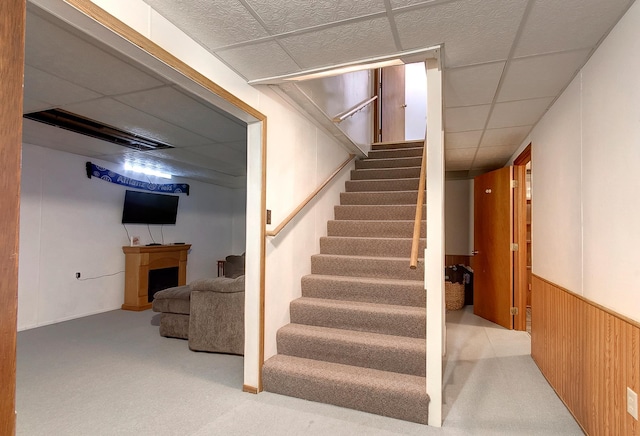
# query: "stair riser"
{"type": "Point", "coordinates": [382, 185]}
{"type": "Point", "coordinates": [403, 360]}
{"type": "Point", "coordinates": [406, 401]}
{"type": "Point", "coordinates": [398, 152]}
{"type": "Point", "coordinates": [364, 212]}
{"type": "Point", "coordinates": [332, 288]}
{"type": "Point", "coordinates": [396, 145]}
{"type": "Point", "coordinates": [382, 229]}
{"type": "Point", "coordinates": [354, 317]}
{"type": "Point", "coordinates": [379, 198]}
{"type": "Point", "coordinates": [389, 163]}
{"type": "Point", "coordinates": [383, 247]}
{"type": "Point", "coordinates": [386, 268]}
{"type": "Point", "coordinates": [386, 173]}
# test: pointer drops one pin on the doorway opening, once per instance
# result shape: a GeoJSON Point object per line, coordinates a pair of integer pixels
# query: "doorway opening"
{"type": "Point", "coordinates": [522, 237]}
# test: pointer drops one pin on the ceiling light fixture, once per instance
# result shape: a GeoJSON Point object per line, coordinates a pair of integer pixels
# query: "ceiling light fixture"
{"type": "Point", "coordinates": [144, 170]}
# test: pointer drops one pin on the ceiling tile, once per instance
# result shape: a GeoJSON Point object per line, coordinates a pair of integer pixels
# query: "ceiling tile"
{"type": "Point", "coordinates": [518, 113]}
{"type": "Point", "coordinates": [489, 163]}
{"type": "Point", "coordinates": [258, 61]}
{"type": "Point", "coordinates": [335, 45]}
{"type": "Point", "coordinates": [462, 139]}
{"type": "Point", "coordinates": [119, 115]}
{"type": "Point", "coordinates": [463, 119]}
{"type": "Point", "coordinates": [459, 154]}
{"type": "Point", "coordinates": [505, 136]}
{"type": "Point", "coordinates": [291, 15]}
{"type": "Point", "coordinates": [44, 87]}
{"type": "Point", "coordinates": [462, 165]}
{"type": "Point", "coordinates": [468, 86]}
{"type": "Point", "coordinates": [54, 50]}
{"type": "Point", "coordinates": [34, 105]}
{"type": "Point", "coordinates": [175, 107]}
{"type": "Point", "coordinates": [222, 153]}
{"type": "Point", "coordinates": [540, 76]}
{"type": "Point", "coordinates": [212, 23]}
{"type": "Point", "coordinates": [199, 160]}
{"type": "Point", "coordinates": [563, 25]}
{"type": "Point", "coordinates": [402, 3]}
{"type": "Point", "coordinates": [473, 31]}
{"type": "Point", "coordinates": [498, 153]}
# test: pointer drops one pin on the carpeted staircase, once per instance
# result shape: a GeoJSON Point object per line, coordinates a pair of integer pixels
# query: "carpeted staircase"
{"type": "Point", "coordinates": [357, 335]}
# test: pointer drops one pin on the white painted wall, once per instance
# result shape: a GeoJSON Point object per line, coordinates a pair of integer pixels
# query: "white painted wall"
{"type": "Point", "coordinates": [415, 97]}
{"type": "Point", "coordinates": [458, 217]}
{"type": "Point", "coordinates": [585, 160]}
{"type": "Point", "coordinates": [69, 224]}
{"type": "Point", "coordinates": [300, 155]}
{"type": "Point", "coordinates": [337, 94]}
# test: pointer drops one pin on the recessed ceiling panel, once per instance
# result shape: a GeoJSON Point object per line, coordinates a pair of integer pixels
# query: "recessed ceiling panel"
{"type": "Point", "coordinates": [559, 25]}
{"type": "Point", "coordinates": [505, 136]}
{"type": "Point", "coordinates": [62, 54]}
{"type": "Point", "coordinates": [335, 45]}
{"type": "Point", "coordinates": [285, 16]}
{"type": "Point", "coordinates": [126, 118]}
{"type": "Point", "coordinates": [472, 31]}
{"type": "Point", "coordinates": [540, 76]}
{"type": "Point", "coordinates": [468, 86]}
{"type": "Point", "coordinates": [212, 23]}
{"type": "Point", "coordinates": [463, 119]}
{"type": "Point", "coordinates": [518, 113]}
{"type": "Point", "coordinates": [266, 59]}
{"type": "Point", "coordinates": [462, 139]}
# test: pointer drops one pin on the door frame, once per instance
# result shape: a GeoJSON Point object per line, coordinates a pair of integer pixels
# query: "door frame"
{"type": "Point", "coordinates": [520, 238]}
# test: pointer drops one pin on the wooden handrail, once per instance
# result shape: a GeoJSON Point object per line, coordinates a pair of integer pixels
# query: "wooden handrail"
{"type": "Point", "coordinates": [416, 225]}
{"type": "Point", "coordinates": [343, 116]}
{"type": "Point", "coordinates": [306, 201]}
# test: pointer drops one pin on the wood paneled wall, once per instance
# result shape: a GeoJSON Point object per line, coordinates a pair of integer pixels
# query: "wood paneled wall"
{"type": "Point", "coordinates": [589, 354]}
{"type": "Point", "coordinates": [12, 28]}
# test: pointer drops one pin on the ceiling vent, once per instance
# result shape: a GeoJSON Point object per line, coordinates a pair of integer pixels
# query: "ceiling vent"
{"type": "Point", "coordinates": [85, 126]}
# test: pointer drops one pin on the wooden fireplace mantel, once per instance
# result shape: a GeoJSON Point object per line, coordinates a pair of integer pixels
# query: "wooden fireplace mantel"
{"type": "Point", "coordinates": [139, 260]}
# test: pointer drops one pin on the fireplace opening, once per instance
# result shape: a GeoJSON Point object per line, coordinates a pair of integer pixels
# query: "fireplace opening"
{"type": "Point", "coordinates": [160, 279]}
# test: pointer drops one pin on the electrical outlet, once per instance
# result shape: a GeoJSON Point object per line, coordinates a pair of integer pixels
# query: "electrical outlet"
{"type": "Point", "coordinates": [632, 403]}
{"type": "Point", "coordinates": [77, 275]}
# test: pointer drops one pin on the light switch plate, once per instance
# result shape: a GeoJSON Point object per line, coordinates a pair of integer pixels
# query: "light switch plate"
{"type": "Point", "coordinates": [632, 403]}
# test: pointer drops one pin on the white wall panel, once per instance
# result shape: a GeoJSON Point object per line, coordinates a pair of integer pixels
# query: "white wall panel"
{"type": "Point", "coordinates": [69, 224]}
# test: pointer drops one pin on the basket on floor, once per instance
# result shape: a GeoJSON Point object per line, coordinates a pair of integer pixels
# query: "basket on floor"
{"type": "Point", "coordinates": [453, 295]}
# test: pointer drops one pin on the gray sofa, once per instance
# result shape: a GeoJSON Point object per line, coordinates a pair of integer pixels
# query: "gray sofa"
{"type": "Point", "coordinates": [209, 313]}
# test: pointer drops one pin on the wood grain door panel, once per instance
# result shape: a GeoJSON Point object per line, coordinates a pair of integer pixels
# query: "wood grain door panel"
{"type": "Point", "coordinates": [392, 104]}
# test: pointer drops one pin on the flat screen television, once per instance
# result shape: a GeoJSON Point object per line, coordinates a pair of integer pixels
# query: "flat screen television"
{"type": "Point", "coordinates": [149, 208]}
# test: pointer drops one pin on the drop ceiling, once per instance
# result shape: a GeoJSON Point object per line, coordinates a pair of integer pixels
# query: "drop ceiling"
{"type": "Point", "coordinates": [65, 70]}
{"type": "Point", "coordinates": [505, 62]}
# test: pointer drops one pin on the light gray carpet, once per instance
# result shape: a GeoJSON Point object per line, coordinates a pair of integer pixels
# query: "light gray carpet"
{"type": "Point", "coordinates": [112, 374]}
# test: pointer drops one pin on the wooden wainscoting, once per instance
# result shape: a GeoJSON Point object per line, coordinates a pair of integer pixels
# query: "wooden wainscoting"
{"type": "Point", "coordinates": [589, 355]}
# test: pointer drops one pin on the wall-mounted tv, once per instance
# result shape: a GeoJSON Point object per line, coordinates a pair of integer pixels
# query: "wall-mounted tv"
{"type": "Point", "coordinates": [149, 208]}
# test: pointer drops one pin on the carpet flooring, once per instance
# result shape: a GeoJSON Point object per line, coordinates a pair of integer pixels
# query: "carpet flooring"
{"type": "Point", "coordinates": [112, 374]}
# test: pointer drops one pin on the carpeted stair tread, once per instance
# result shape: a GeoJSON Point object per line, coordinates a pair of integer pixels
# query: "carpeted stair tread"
{"type": "Point", "coordinates": [396, 152]}
{"type": "Point", "coordinates": [374, 228]}
{"type": "Point", "coordinates": [389, 163]}
{"type": "Point", "coordinates": [379, 198]}
{"type": "Point", "coordinates": [349, 347]}
{"type": "Point", "coordinates": [365, 289]}
{"type": "Point", "coordinates": [377, 212]}
{"type": "Point", "coordinates": [397, 144]}
{"type": "Point", "coordinates": [366, 266]}
{"type": "Point", "coordinates": [383, 393]}
{"type": "Point", "coordinates": [382, 185]}
{"type": "Point", "coordinates": [359, 246]}
{"type": "Point", "coordinates": [386, 173]}
{"type": "Point", "coordinates": [385, 319]}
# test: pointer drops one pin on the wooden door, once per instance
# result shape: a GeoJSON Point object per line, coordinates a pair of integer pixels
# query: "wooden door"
{"type": "Point", "coordinates": [392, 104]}
{"type": "Point", "coordinates": [493, 259]}
{"type": "Point", "coordinates": [12, 28]}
